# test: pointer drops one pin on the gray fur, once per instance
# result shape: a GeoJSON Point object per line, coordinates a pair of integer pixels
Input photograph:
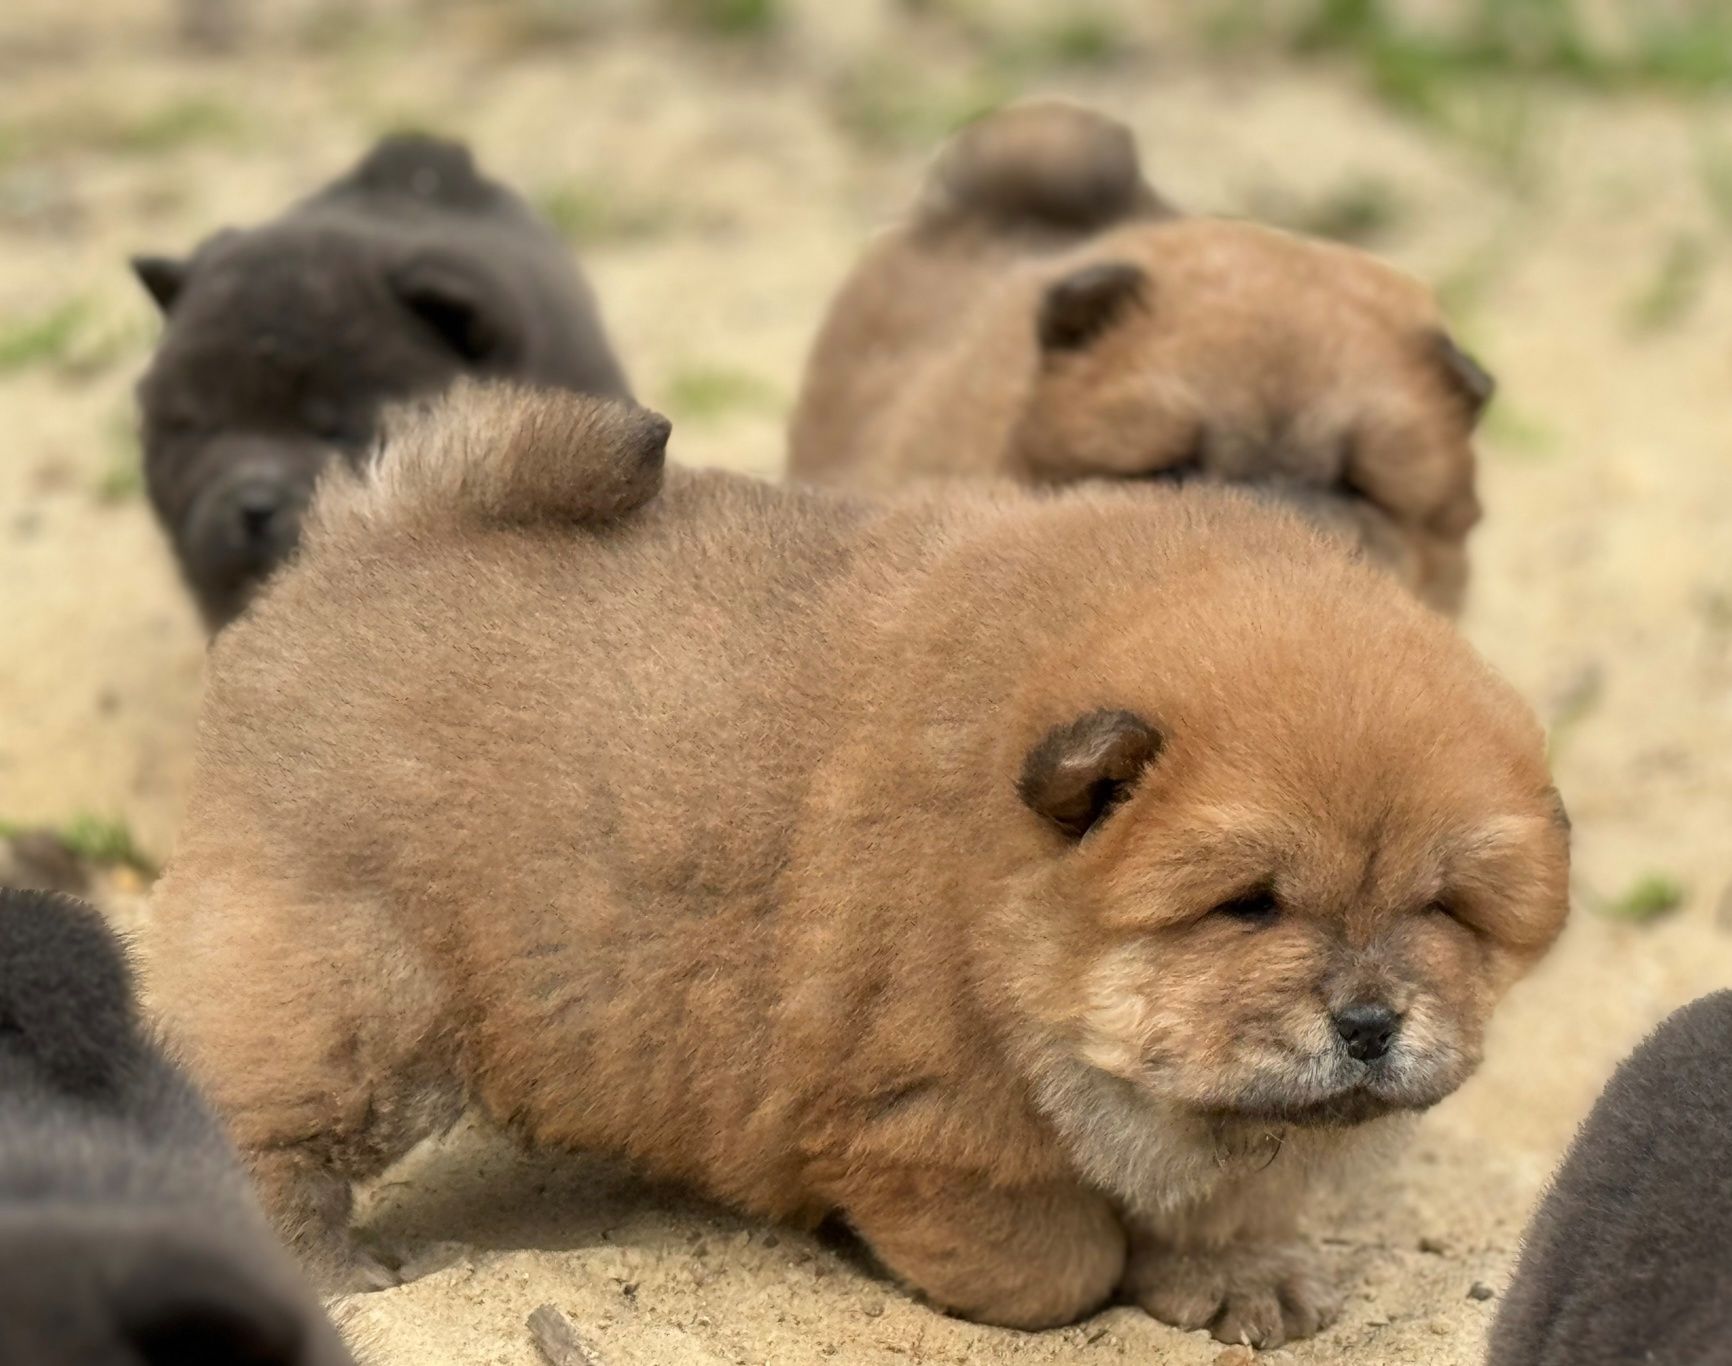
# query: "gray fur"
{"type": "Point", "coordinates": [1629, 1259]}
{"type": "Point", "coordinates": [284, 342]}
{"type": "Point", "coordinates": [128, 1233]}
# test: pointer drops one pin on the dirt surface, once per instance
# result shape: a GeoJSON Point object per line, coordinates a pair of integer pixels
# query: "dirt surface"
{"type": "Point", "coordinates": [718, 187]}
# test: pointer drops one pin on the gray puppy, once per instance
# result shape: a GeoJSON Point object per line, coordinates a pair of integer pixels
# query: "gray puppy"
{"type": "Point", "coordinates": [284, 341]}
{"type": "Point", "coordinates": [1630, 1256]}
{"type": "Point", "coordinates": [128, 1234]}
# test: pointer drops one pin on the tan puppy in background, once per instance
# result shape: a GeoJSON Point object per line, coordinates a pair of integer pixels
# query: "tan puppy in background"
{"type": "Point", "coordinates": [1050, 893]}
{"type": "Point", "coordinates": [1043, 314]}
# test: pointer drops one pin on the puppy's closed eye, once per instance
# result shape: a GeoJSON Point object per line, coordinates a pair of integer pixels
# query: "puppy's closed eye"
{"type": "Point", "coordinates": [1258, 906]}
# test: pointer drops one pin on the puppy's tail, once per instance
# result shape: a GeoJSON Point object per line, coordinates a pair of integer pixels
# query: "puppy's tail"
{"type": "Point", "coordinates": [66, 1002]}
{"type": "Point", "coordinates": [504, 455]}
{"type": "Point", "coordinates": [1044, 164]}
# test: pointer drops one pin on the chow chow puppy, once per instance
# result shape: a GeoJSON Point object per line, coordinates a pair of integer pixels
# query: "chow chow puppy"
{"type": "Point", "coordinates": [1630, 1256]}
{"type": "Point", "coordinates": [1044, 314]}
{"type": "Point", "coordinates": [1047, 891]}
{"type": "Point", "coordinates": [128, 1234]}
{"type": "Point", "coordinates": [283, 341]}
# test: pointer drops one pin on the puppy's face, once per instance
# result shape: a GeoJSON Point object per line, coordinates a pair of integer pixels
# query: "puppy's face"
{"type": "Point", "coordinates": [1289, 891]}
{"type": "Point", "coordinates": [1210, 349]}
{"type": "Point", "coordinates": [281, 347]}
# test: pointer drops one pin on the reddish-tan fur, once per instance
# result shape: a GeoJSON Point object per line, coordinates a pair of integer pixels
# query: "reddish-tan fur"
{"type": "Point", "coordinates": [695, 835]}
{"type": "Point", "coordinates": [1245, 354]}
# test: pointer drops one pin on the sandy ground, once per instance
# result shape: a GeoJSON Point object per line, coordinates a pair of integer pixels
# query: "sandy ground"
{"type": "Point", "coordinates": [720, 191]}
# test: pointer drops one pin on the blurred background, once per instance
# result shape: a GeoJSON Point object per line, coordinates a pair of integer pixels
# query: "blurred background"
{"type": "Point", "coordinates": [1560, 172]}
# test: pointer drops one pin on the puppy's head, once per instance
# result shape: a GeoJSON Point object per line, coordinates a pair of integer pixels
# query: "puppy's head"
{"type": "Point", "coordinates": [282, 346]}
{"type": "Point", "coordinates": [125, 1236]}
{"type": "Point", "coordinates": [1206, 348]}
{"type": "Point", "coordinates": [1289, 845]}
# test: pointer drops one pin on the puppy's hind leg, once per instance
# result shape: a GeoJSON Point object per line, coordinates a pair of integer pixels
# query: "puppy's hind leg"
{"type": "Point", "coordinates": [320, 1037]}
{"type": "Point", "coordinates": [1032, 1257]}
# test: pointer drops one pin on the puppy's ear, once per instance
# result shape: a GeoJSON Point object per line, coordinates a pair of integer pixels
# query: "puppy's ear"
{"type": "Point", "coordinates": [1081, 770]}
{"type": "Point", "coordinates": [451, 301]}
{"type": "Point", "coordinates": [1470, 381]}
{"type": "Point", "coordinates": [1560, 812]}
{"type": "Point", "coordinates": [162, 278]}
{"type": "Point", "coordinates": [1082, 305]}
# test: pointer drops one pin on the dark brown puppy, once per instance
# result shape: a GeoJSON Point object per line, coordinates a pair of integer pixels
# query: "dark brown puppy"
{"type": "Point", "coordinates": [1630, 1256]}
{"type": "Point", "coordinates": [1048, 890]}
{"type": "Point", "coordinates": [128, 1234]}
{"type": "Point", "coordinates": [1043, 314]}
{"type": "Point", "coordinates": [283, 342]}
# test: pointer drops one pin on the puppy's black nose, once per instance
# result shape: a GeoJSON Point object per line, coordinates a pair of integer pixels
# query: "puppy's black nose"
{"type": "Point", "coordinates": [184, 1313]}
{"type": "Point", "coordinates": [257, 507]}
{"type": "Point", "coordinates": [1367, 1030]}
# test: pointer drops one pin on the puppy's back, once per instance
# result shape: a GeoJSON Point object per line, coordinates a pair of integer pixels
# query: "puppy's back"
{"type": "Point", "coordinates": [1629, 1258]}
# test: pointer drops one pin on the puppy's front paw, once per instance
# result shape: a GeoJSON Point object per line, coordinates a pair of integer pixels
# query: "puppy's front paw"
{"type": "Point", "coordinates": [349, 1269]}
{"type": "Point", "coordinates": [1258, 1296]}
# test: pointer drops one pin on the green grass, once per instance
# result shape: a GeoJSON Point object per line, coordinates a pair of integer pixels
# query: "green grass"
{"type": "Point", "coordinates": [1651, 897]}
{"type": "Point", "coordinates": [187, 121]}
{"type": "Point", "coordinates": [102, 840]}
{"type": "Point", "coordinates": [707, 393]}
{"type": "Point", "coordinates": [1674, 290]}
{"type": "Point", "coordinates": [588, 214]}
{"type": "Point", "coordinates": [1464, 289]}
{"type": "Point", "coordinates": [726, 18]}
{"type": "Point", "coordinates": [1362, 210]}
{"type": "Point", "coordinates": [885, 103]}
{"type": "Point", "coordinates": [1429, 70]}
{"type": "Point", "coordinates": [49, 338]}
{"type": "Point", "coordinates": [1519, 432]}
{"type": "Point", "coordinates": [122, 479]}
{"type": "Point", "coordinates": [1081, 39]}
{"type": "Point", "coordinates": [194, 120]}
{"type": "Point", "coordinates": [71, 340]}
{"type": "Point", "coordinates": [1527, 38]}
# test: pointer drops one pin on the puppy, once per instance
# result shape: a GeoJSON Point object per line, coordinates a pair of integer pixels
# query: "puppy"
{"type": "Point", "coordinates": [1049, 892]}
{"type": "Point", "coordinates": [1044, 314]}
{"type": "Point", "coordinates": [128, 1236]}
{"type": "Point", "coordinates": [283, 341]}
{"type": "Point", "coordinates": [1630, 1256]}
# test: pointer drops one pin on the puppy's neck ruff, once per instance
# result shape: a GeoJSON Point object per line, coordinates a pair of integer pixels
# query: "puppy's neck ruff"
{"type": "Point", "coordinates": [1152, 1155]}
{"type": "Point", "coordinates": [1158, 1157]}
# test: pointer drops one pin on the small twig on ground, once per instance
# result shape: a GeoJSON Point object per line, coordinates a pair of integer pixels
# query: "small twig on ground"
{"type": "Point", "coordinates": [557, 1339]}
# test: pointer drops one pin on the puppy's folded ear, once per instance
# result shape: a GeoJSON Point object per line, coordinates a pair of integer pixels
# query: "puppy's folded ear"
{"type": "Point", "coordinates": [1081, 770]}
{"type": "Point", "coordinates": [1082, 305]}
{"type": "Point", "coordinates": [452, 301]}
{"type": "Point", "coordinates": [1470, 381]}
{"type": "Point", "coordinates": [162, 278]}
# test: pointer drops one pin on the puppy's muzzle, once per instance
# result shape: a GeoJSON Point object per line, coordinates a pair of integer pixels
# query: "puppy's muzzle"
{"type": "Point", "coordinates": [86, 1290]}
